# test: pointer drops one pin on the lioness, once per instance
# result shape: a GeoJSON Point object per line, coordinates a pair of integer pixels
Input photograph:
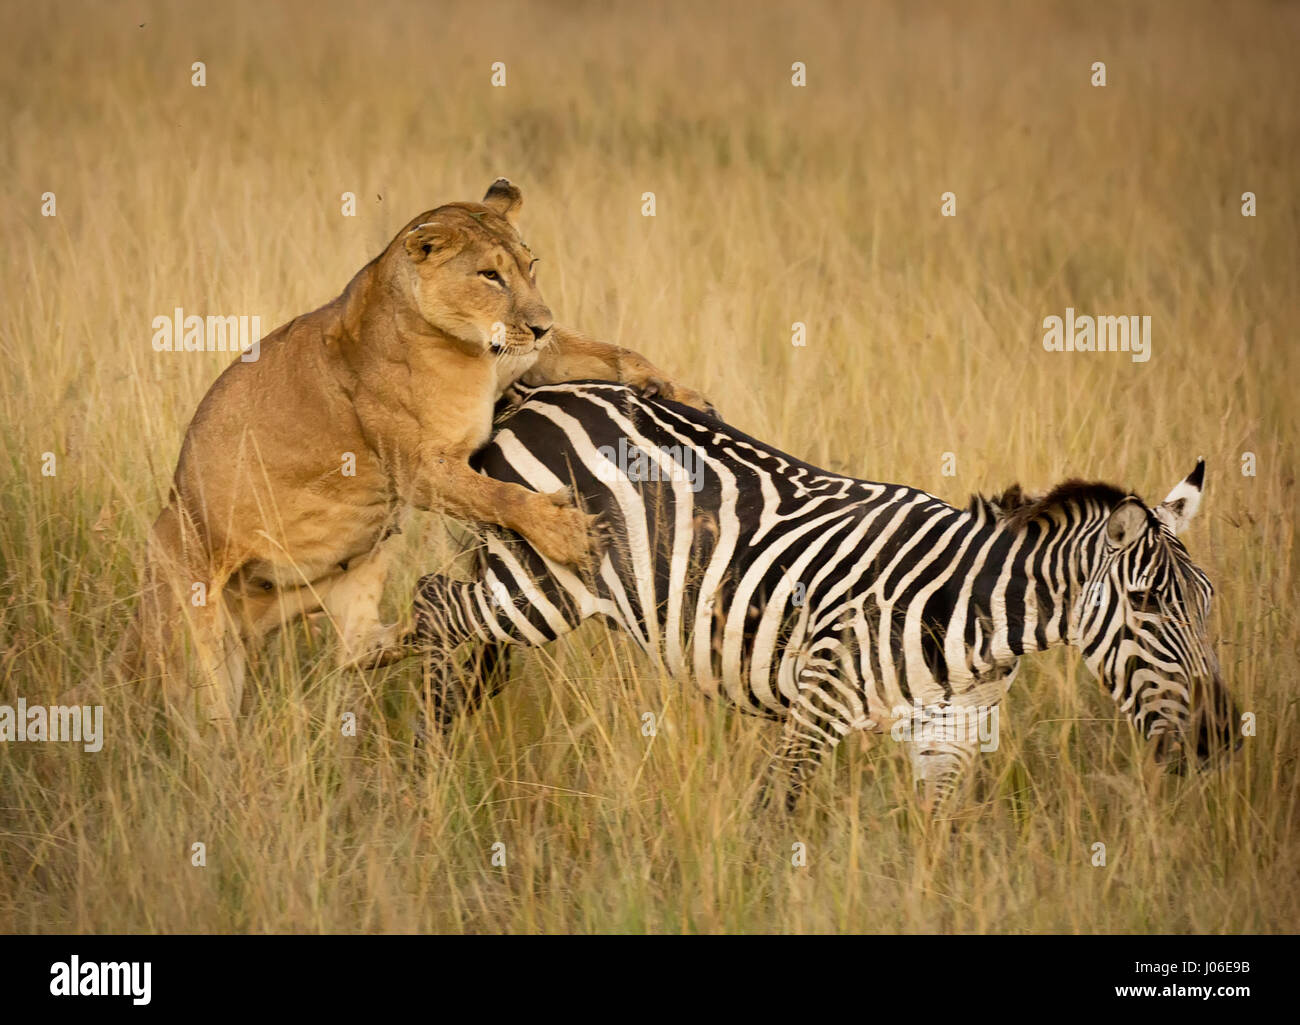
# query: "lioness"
{"type": "Point", "coordinates": [296, 466]}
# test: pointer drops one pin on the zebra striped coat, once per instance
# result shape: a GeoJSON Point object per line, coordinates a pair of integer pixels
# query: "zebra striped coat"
{"type": "Point", "coordinates": [829, 603]}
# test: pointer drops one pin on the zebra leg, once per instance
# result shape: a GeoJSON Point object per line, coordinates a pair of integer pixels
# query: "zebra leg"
{"type": "Point", "coordinates": [491, 666]}
{"type": "Point", "coordinates": [942, 743]}
{"type": "Point", "coordinates": [445, 618]}
{"type": "Point", "coordinates": [450, 612]}
{"type": "Point", "coordinates": [808, 734]}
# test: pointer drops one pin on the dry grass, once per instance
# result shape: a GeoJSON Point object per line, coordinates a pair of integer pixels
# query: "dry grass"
{"type": "Point", "coordinates": [775, 204]}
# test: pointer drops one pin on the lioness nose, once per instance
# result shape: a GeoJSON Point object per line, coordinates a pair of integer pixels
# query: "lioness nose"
{"type": "Point", "coordinates": [538, 330]}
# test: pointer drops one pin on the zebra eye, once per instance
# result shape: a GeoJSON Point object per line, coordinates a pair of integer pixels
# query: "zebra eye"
{"type": "Point", "coordinates": [1144, 601]}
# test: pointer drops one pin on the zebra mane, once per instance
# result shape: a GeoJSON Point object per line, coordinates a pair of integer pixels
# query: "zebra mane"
{"type": "Point", "coordinates": [1017, 509]}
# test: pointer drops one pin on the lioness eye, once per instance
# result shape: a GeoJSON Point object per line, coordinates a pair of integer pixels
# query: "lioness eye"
{"type": "Point", "coordinates": [491, 275]}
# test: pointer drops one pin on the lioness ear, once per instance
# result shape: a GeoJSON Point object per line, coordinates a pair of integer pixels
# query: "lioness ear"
{"type": "Point", "coordinates": [1176, 511]}
{"type": "Point", "coordinates": [504, 197]}
{"type": "Point", "coordinates": [425, 238]}
{"type": "Point", "coordinates": [1127, 523]}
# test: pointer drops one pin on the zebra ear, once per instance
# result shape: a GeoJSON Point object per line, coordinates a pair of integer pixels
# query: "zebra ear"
{"type": "Point", "coordinates": [1128, 522]}
{"type": "Point", "coordinates": [1176, 511]}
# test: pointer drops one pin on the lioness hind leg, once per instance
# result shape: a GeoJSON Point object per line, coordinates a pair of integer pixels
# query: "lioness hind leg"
{"type": "Point", "coordinates": [352, 601]}
{"type": "Point", "coordinates": [183, 599]}
{"type": "Point", "coordinates": [213, 695]}
{"type": "Point", "coordinates": [147, 649]}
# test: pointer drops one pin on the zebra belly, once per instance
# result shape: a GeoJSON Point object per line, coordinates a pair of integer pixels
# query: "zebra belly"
{"type": "Point", "coordinates": [697, 657]}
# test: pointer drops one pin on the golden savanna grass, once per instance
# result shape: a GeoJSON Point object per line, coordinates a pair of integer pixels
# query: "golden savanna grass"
{"type": "Point", "coordinates": [775, 204]}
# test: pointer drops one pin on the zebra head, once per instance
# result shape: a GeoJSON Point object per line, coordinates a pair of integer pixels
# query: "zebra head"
{"type": "Point", "coordinates": [1142, 626]}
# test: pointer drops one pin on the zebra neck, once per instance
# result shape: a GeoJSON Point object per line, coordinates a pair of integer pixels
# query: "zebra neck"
{"type": "Point", "coordinates": [1024, 596]}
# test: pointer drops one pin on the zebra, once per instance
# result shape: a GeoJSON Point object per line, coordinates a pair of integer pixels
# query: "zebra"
{"type": "Point", "coordinates": [828, 603]}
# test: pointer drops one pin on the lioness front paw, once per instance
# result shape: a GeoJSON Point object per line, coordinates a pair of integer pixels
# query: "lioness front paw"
{"type": "Point", "coordinates": [696, 400]}
{"type": "Point", "coordinates": [561, 531]}
{"type": "Point", "coordinates": [677, 393]}
{"type": "Point", "coordinates": [386, 645]}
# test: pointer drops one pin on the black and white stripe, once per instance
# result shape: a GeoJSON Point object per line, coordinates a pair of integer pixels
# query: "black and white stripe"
{"type": "Point", "coordinates": [829, 603]}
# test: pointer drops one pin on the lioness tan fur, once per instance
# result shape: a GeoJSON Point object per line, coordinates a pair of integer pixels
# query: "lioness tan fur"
{"type": "Point", "coordinates": [296, 466]}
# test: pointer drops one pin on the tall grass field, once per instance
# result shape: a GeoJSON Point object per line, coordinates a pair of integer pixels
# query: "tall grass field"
{"type": "Point", "coordinates": [922, 361]}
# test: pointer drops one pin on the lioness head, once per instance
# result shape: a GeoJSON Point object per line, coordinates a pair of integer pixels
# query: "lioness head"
{"type": "Point", "coordinates": [471, 276]}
